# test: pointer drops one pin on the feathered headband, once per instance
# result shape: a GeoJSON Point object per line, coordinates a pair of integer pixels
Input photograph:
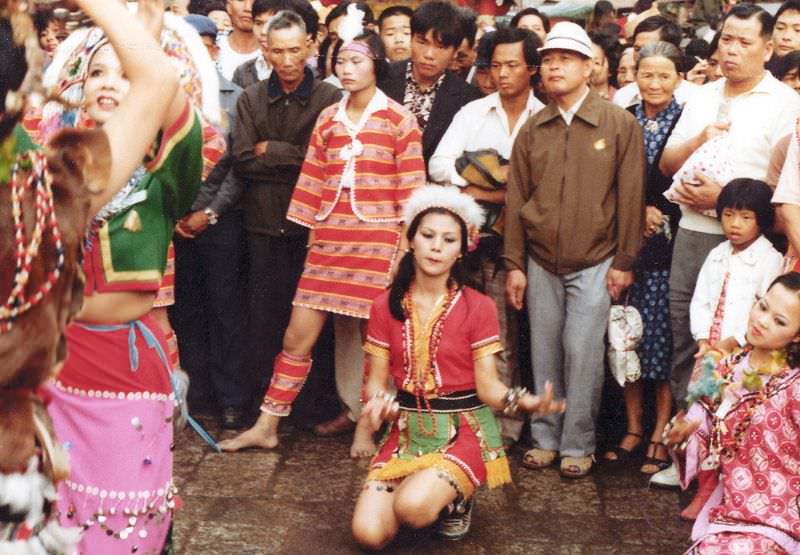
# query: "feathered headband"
{"type": "Point", "coordinates": [449, 198]}
{"type": "Point", "coordinates": [352, 26]}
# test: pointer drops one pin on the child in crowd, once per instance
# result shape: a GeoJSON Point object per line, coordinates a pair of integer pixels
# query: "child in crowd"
{"type": "Point", "coordinates": [395, 31]}
{"type": "Point", "coordinates": [50, 31]}
{"type": "Point", "coordinates": [745, 428]}
{"type": "Point", "coordinates": [734, 274]}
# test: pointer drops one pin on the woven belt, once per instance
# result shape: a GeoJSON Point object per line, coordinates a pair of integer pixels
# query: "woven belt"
{"type": "Point", "coordinates": [458, 401]}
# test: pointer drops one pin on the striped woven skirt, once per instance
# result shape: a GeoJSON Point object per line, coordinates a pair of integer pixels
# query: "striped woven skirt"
{"type": "Point", "coordinates": [349, 263]}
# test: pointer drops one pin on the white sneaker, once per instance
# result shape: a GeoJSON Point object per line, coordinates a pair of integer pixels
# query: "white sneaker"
{"type": "Point", "coordinates": [667, 478]}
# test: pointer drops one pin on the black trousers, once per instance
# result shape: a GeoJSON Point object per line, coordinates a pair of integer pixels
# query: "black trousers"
{"type": "Point", "coordinates": [209, 314]}
{"type": "Point", "coordinates": [275, 265]}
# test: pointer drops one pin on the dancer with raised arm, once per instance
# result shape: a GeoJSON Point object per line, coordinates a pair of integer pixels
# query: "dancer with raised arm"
{"type": "Point", "coordinates": [113, 402]}
{"type": "Point", "coordinates": [31, 331]}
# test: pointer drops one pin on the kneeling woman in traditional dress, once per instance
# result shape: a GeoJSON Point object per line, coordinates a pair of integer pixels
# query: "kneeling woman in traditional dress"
{"type": "Point", "coordinates": [745, 426]}
{"type": "Point", "coordinates": [435, 338]}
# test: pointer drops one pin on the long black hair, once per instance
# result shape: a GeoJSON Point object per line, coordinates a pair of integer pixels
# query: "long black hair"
{"type": "Point", "coordinates": [406, 270]}
{"type": "Point", "coordinates": [790, 281]}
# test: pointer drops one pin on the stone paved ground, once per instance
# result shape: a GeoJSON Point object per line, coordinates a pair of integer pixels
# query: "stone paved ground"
{"type": "Point", "coordinates": [299, 499]}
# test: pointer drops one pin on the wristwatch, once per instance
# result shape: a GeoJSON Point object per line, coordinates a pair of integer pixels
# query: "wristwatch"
{"type": "Point", "coordinates": [213, 217]}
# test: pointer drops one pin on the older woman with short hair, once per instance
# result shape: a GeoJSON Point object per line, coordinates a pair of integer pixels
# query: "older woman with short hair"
{"type": "Point", "coordinates": [657, 77]}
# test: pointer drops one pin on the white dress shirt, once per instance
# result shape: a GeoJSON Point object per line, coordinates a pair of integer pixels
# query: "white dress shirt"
{"type": "Point", "coordinates": [228, 59]}
{"type": "Point", "coordinates": [759, 119]}
{"type": "Point", "coordinates": [569, 114]}
{"type": "Point", "coordinates": [788, 189]}
{"type": "Point", "coordinates": [481, 124]}
{"type": "Point", "coordinates": [629, 94]}
{"type": "Point", "coordinates": [751, 272]}
{"type": "Point", "coordinates": [263, 68]}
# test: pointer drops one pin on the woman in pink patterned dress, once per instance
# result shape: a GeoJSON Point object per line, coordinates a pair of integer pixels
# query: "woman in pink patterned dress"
{"type": "Point", "coordinates": [747, 427]}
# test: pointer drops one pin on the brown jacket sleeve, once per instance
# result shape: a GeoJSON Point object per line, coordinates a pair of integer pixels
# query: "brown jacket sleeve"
{"type": "Point", "coordinates": [518, 191]}
{"type": "Point", "coordinates": [630, 197]}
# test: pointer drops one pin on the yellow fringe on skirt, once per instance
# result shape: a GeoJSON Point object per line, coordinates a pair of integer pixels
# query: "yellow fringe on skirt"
{"type": "Point", "coordinates": [498, 472]}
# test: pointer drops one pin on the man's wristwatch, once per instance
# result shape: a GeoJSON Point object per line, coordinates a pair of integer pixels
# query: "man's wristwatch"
{"type": "Point", "coordinates": [212, 216]}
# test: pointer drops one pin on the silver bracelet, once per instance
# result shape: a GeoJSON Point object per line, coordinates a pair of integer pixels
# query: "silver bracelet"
{"type": "Point", "coordinates": [511, 400]}
{"type": "Point", "coordinates": [383, 395]}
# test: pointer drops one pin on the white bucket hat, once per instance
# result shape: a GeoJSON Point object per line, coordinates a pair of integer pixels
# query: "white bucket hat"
{"type": "Point", "coordinates": [566, 35]}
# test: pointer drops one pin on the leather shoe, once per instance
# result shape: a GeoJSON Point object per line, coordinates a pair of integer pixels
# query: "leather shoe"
{"type": "Point", "coordinates": [335, 427]}
{"type": "Point", "coordinates": [232, 418]}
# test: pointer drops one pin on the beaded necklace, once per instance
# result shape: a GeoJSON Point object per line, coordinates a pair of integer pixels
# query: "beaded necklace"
{"type": "Point", "coordinates": [39, 182]}
{"type": "Point", "coordinates": [723, 444]}
{"type": "Point", "coordinates": [419, 376]}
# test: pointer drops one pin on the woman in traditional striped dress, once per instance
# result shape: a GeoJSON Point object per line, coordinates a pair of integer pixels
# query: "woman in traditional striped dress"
{"type": "Point", "coordinates": [363, 162]}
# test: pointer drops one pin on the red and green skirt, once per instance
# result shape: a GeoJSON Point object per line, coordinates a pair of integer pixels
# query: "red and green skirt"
{"type": "Point", "coordinates": [466, 444]}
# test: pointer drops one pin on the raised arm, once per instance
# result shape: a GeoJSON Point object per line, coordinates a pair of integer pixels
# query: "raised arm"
{"type": "Point", "coordinates": [153, 101]}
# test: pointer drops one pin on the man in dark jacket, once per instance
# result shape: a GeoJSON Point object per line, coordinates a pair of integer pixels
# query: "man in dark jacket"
{"type": "Point", "coordinates": [274, 121]}
{"type": "Point", "coordinates": [423, 84]}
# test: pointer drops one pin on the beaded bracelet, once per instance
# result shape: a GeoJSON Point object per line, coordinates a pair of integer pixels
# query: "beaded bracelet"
{"type": "Point", "coordinates": [383, 395]}
{"type": "Point", "coordinates": [512, 398]}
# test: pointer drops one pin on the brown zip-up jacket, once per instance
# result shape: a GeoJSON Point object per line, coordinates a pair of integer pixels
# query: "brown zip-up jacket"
{"type": "Point", "coordinates": [576, 193]}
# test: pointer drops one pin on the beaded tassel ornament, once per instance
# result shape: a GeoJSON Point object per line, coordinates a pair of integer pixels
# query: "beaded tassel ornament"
{"type": "Point", "coordinates": [27, 249]}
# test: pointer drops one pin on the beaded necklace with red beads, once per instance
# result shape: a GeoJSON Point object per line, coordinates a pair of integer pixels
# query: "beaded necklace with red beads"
{"type": "Point", "coordinates": [418, 377]}
{"type": "Point", "coordinates": [39, 183]}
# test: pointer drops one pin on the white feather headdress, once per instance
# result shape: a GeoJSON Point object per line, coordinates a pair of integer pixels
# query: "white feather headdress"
{"type": "Point", "coordinates": [352, 25]}
{"type": "Point", "coordinates": [449, 198]}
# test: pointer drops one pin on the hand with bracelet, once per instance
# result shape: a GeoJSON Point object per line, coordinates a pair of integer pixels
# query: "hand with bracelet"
{"type": "Point", "coordinates": [519, 399]}
{"type": "Point", "coordinates": [380, 407]}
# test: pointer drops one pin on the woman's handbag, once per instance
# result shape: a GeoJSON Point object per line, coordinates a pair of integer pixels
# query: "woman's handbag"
{"type": "Point", "coordinates": [624, 334]}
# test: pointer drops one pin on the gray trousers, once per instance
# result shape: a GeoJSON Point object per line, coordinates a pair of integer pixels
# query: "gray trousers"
{"type": "Point", "coordinates": [568, 316]}
{"type": "Point", "coordinates": [689, 252]}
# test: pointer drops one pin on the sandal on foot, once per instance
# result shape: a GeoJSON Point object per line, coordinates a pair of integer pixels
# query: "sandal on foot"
{"type": "Point", "coordinates": [537, 459]}
{"type": "Point", "coordinates": [652, 462]}
{"type": "Point", "coordinates": [576, 467]}
{"type": "Point", "coordinates": [620, 452]}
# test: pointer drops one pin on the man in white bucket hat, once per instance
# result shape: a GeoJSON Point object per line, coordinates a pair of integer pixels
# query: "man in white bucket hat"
{"type": "Point", "coordinates": [574, 226]}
